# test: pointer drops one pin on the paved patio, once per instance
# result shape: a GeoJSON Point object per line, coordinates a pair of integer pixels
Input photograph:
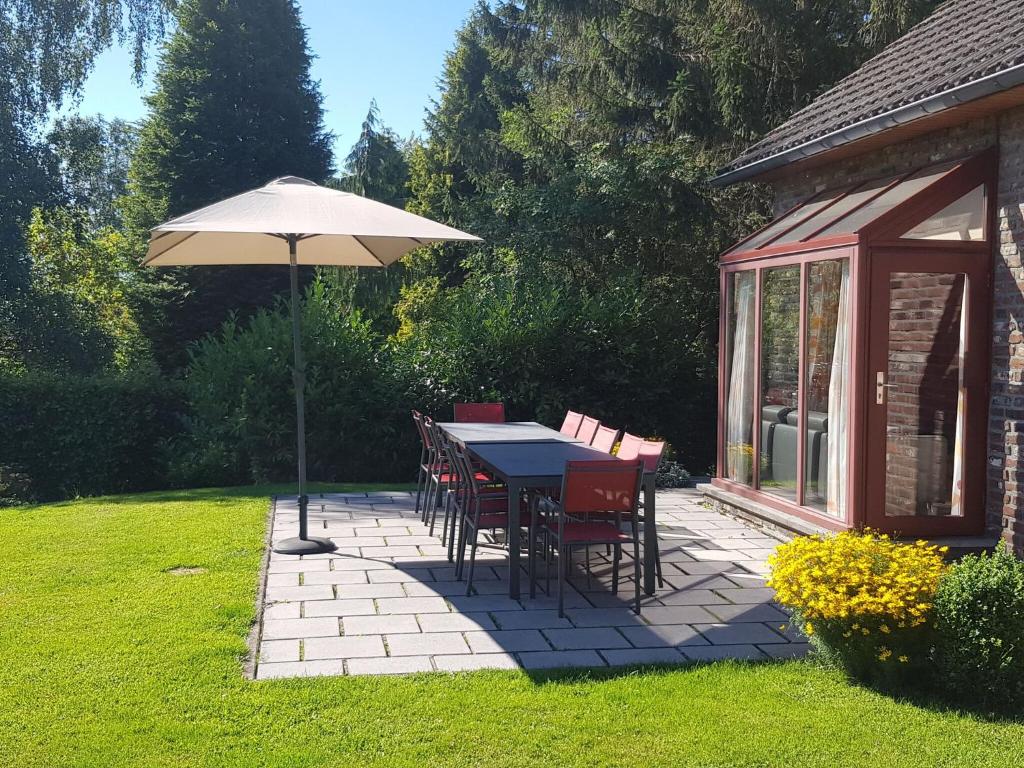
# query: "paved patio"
{"type": "Point", "coordinates": [386, 602]}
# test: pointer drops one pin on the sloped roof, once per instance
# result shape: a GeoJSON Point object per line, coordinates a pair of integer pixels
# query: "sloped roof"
{"type": "Point", "coordinates": [964, 50]}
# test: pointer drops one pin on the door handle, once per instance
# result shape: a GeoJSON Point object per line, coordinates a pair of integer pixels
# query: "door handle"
{"type": "Point", "coordinates": [880, 387]}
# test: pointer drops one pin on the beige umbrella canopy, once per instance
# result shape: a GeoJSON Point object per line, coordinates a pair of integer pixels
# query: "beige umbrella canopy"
{"type": "Point", "coordinates": [296, 222]}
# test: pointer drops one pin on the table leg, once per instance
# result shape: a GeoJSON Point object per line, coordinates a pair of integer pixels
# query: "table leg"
{"type": "Point", "coordinates": [650, 534]}
{"type": "Point", "coordinates": [514, 492]}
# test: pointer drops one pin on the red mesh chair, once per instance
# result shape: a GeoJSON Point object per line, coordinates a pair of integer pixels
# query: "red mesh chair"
{"type": "Point", "coordinates": [605, 439]}
{"type": "Point", "coordinates": [588, 429]}
{"type": "Point", "coordinates": [481, 506]}
{"type": "Point", "coordinates": [598, 505]}
{"type": "Point", "coordinates": [447, 480]}
{"type": "Point", "coordinates": [571, 424]}
{"type": "Point", "coordinates": [490, 413]}
{"type": "Point", "coordinates": [629, 447]}
{"type": "Point", "coordinates": [649, 452]}
{"type": "Point", "coordinates": [424, 470]}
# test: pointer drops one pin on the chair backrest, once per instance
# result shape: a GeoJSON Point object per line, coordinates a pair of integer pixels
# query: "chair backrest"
{"type": "Point", "coordinates": [571, 424]}
{"type": "Point", "coordinates": [629, 447]}
{"type": "Point", "coordinates": [491, 413]}
{"type": "Point", "coordinates": [430, 433]}
{"type": "Point", "coordinates": [601, 486]}
{"type": "Point", "coordinates": [463, 467]}
{"type": "Point", "coordinates": [605, 439]}
{"type": "Point", "coordinates": [588, 428]}
{"type": "Point", "coordinates": [650, 454]}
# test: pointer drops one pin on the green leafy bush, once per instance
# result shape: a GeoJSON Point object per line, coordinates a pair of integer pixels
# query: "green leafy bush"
{"type": "Point", "coordinates": [241, 427]}
{"type": "Point", "coordinates": [542, 347]}
{"type": "Point", "coordinates": [66, 436]}
{"type": "Point", "coordinates": [979, 623]}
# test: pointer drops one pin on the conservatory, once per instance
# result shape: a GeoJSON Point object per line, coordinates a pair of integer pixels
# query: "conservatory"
{"type": "Point", "coordinates": [854, 345]}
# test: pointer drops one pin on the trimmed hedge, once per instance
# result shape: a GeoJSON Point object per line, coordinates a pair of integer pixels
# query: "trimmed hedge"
{"type": "Point", "coordinates": [67, 436]}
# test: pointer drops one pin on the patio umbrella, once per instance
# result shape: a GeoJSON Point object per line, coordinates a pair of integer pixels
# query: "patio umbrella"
{"type": "Point", "coordinates": [266, 226]}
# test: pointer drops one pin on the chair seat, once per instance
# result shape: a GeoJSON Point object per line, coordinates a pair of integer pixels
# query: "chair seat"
{"type": "Point", "coordinates": [452, 477]}
{"type": "Point", "coordinates": [589, 532]}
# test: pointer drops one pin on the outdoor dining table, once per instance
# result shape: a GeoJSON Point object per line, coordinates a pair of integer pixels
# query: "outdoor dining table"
{"type": "Point", "coordinates": [472, 433]}
{"type": "Point", "coordinates": [535, 462]}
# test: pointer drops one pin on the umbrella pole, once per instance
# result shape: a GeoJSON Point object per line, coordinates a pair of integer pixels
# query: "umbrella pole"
{"type": "Point", "coordinates": [304, 544]}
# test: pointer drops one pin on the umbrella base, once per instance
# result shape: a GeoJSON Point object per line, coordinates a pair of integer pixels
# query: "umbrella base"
{"type": "Point", "coordinates": [311, 546]}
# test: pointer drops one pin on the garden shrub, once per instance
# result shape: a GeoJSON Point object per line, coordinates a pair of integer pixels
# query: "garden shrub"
{"type": "Point", "coordinates": [66, 435]}
{"type": "Point", "coordinates": [864, 600]}
{"type": "Point", "coordinates": [241, 426]}
{"type": "Point", "coordinates": [979, 623]}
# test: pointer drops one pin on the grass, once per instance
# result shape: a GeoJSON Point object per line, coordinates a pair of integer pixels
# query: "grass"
{"type": "Point", "coordinates": [107, 659]}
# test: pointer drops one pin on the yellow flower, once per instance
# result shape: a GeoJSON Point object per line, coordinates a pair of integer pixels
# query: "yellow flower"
{"type": "Point", "coordinates": [904, 659]}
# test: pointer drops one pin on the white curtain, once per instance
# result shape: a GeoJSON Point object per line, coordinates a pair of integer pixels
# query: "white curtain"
{"type": "Point", "coordinates": [958, 450]}
{"type": "Point", "coordinates": [739, 424]}
{"type": "Point", "coordinates": [838, 403]}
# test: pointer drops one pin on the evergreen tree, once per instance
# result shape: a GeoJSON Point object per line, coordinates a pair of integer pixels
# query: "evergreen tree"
{"type": "Point", "coordinates": [234, 107]}
{"type": "Point", "coordinates": [375, 168]}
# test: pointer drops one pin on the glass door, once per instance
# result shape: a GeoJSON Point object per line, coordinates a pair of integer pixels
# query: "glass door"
{"type": "Point", "coordinates": [928, 365]}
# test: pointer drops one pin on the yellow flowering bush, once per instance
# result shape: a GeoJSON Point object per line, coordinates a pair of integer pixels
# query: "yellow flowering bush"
{"type": "Point", "coordinates": [863, 599]}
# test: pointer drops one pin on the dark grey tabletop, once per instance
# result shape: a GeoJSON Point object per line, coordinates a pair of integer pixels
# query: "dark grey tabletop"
{"type": "Point", "coordinates": [472, 433]}
{"type": "Point", "coordinates": [533, 461]}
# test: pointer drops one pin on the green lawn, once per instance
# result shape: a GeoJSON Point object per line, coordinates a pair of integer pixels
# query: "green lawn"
{"type": "Point", "coordinates": [106, 659]}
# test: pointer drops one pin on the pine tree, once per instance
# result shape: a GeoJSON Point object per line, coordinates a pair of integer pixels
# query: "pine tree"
{"type": "Point", "coordinates": [234, 107]}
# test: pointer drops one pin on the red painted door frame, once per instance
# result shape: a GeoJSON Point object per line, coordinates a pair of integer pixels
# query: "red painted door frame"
{"type": "Point", "coordinates": [882, 262]}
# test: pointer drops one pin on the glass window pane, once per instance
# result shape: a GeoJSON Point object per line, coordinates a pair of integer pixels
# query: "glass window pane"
{"type": "Point", "coordinates": [963, 219]}
{"type": "Point", "coordinates": [780, 373]}
{"type": "Point", "coordinates": [739, 338]}
{"type": "Point", "coordinates": [827, 350]}
{"type": "Point", "coordinates": [924, 394]}
{"type": "Point", "coordinates": [784, 222]}
{"type": "Point", "coordinates": [889, 200]}
{"type": "Point", "coordinates": [841, 208]}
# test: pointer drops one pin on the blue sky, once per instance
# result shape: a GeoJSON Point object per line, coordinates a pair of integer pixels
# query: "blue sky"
{"type": "Point", "coordinates": [391, 50]}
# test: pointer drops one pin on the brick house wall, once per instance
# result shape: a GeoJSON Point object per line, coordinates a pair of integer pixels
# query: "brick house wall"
{"type": "Point", "coordinates": [1005, 449]}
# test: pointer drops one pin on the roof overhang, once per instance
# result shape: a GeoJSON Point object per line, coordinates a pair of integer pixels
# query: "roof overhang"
{"type": "Point", "coordinates": [977, 98]}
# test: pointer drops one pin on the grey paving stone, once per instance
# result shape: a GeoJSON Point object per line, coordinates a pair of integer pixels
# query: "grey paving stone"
{"type": "Point", "coordinates": [297, 566]}
{"type": "Point", "coordinates": [392, 665]}
{"type": "Point", "coordinates": [359, 564]}
{"type": "Point", "coordinates": [434, 588]}
{"type": "Point", "coordinates": [390, 551]}
{"type": "Point", "coordinates": [282, 579]}
{"type": "Point", "coordinates": [660, 636]}
{"type": "Point", "coordinates": [560, 659]}
{"type": "Point", "coordinates": [720, 652]}
{"type": "Point", "coordinates": [680, 580]}
{"type": "Point", "coordinates": [397, 575]}
{"type": "Point", "coordinates": [691, 597]}
{"type": "Point", "coordinates": [456, 622]}
{"type": "Point", "coordinates": [464, 662]}
{"type": "Point", "coordinates": [531, 619]}
{"type": "Point", "coordinates": [334, 577]}
{"type": "Point", "coordinates": [354, 646]}
{"type": "Point", "coordinates": [747, 580]}
{"type": "Point", "coordinates": [358, 541]}
{"type": "Point", "coordinates": [483, 603]}
{"type": "Point", "coordinates": [379, 625]}
{"type": "Point", "coordinates": [738, 634]}
{"type": "Point", "coordinates": [603, 617]}
{"type": "Point", "coordinates": [746, 613]}
{"type": "Point", "coordinates": [620, 657]}
{"type": "Point", "coordinates": [677, 614]}
{"type": "Point", "coordinates": [786, 650]}
{"type": "Point", "coordinates": [282, 611]}
{"type": "Point", "coordinates": [387, 605]}
{"type": "Point", "coordinates": [748, 596]}
{"type": "Point", "coordinates": [427, 642]}
{"type": "Point", "coordinates": [282, 629]}
{"type": "Point", "coordinates": [353, 591]}
{"type": "Point", "coordinates": [410, 540]}
{"type": "Point", "coordinates": [359, 607]}
{"type": "Point", "coordinates": [507, 641]}
{"type": "Point", "coordinates": [300, 669]}
{"type": "Point", "coordinates": [313, 592]}
{"type": "Point", "coordinates": [279, 650]}
{"type": "Point", "coordinates": [581, 638]}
